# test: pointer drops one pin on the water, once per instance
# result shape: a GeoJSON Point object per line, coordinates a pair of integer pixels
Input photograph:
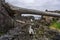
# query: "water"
{"type": "Point", "coordinates": [37, 17]}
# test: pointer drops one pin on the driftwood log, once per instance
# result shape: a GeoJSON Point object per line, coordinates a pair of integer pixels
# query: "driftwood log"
{"type": "Point", "coordinates": [30, 11]}
{"type": "Point", "coordinates": [12, 10]}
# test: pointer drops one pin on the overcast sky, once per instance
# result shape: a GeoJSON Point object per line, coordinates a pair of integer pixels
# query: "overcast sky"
{"type": "Point", "coordinates": [36, 4]}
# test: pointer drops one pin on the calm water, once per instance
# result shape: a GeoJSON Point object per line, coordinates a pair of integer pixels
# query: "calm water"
{"type": "Point", "coordinates": [35, 16]}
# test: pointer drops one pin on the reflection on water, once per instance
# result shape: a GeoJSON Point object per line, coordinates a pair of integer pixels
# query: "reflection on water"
{"type": "Point", "coordinates": [36, 17]}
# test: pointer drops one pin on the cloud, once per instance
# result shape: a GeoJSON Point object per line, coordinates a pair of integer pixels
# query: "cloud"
{"type": "Point", "coordinates": [37, 4]}
{"type": "Point", "coordinates": [52, 5]}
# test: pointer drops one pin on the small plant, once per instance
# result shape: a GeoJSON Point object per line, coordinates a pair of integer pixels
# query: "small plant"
{"type": "Point", "coordinates": [55, 25]}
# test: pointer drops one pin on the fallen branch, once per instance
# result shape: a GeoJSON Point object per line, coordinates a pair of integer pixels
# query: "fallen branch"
{"type": "Point", "coordinates": [20, 21]}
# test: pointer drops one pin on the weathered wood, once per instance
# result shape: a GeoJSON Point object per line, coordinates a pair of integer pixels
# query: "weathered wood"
{"type": "Point", "coordinates": [10, 12]}
{"type": "Point", "coordinates": [31, 11]}
{"type": "Point", "coordinates": [28, 11]}
{"type": "Point", "coordinates": [20, 21]}
{"type": "Point", "coordinates": [37, 12]}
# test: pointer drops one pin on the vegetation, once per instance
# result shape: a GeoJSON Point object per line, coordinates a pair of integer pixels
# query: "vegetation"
{"type": "Point", "coordinates": [55, 25]}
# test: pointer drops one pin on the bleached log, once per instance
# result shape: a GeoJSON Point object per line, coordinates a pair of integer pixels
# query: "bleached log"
{"type": "Point", "coordinates": [20, 21]}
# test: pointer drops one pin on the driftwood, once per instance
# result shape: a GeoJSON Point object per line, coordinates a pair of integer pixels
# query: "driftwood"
{"type": "Point", "coordinates": [37, 12]}
{"type": "Point", "coordinates": [20, 21]}
{"type": "Point", "coordinates": [12, 9]}
{"type": "Point", "coordinates": [7, 12]}
{"type": "Point", "coordinates": [31, 11]}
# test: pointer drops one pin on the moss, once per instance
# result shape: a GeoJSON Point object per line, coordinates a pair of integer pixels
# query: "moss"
{"type": "Point", "coordinates": [55, 25]}
{"type": "Point", "coordinates": [1, 33]}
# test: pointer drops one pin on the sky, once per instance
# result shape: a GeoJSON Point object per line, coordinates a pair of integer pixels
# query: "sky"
{"type": "Point", "coordinates": [36, 4]}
